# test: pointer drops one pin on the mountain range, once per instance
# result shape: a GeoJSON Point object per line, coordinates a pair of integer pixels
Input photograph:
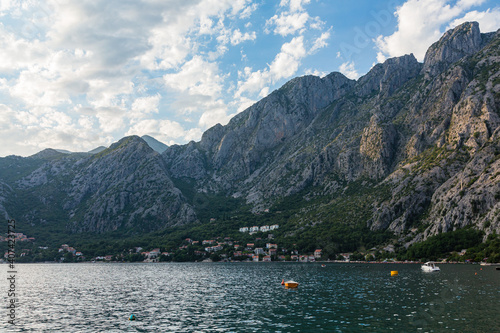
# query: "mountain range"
{"type": "Point", "coordinates": [409, 148]}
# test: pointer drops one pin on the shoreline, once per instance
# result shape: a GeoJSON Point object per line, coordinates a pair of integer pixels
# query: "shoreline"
{"type": "Point", "coordinates": [264, 262]}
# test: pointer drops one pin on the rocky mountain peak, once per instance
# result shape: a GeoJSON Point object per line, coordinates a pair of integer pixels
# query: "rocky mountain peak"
{"type": "Point", "coordinates": [462, 41]}
{"type": "Point", "coordinates": [392, 151]}
{"type": "Point", "coordinates": [157, 146]}
{"type": "Point", "coordinates": [389, 76]}
{"type": "Point", "coordinates": [48, 153]}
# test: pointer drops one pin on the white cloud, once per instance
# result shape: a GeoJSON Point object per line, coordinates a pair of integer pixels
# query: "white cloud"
{"type": "Point", "coordinates": [294, 20]}
{"type": "Point", "coordinates": [488, 20]}
{"type": "Point", "coordinates": [212, 117]}
{"type": "Point", "coordinates": [320, 42]}
{"type": "Point", "coordinates": [288, 24]}
{"type": "Point", "coordinates": [287, 61]}
{"type": "Point", "coordinates": [315, 72]}
{"type": "Point", "coordinates": [239, 37]}
{"type": "Point", "coordinates": [111, 119]}
{"type": "Point", "coordinates": [144, 106]}
{"type": "Point", "coordinates": [349, 70]}
{"type": "Point", "coordinates": [294, 5]}
{"type": "Point", "coordinates": [284, 65]}
{"type": "Point", "coordinates": [82, 74]}
{"type": "Point", "coordinates": [196, 76]}
{"type": "Point", "coordinates": [163, 130]}
{"type": "Point", "coordinates": [248, 11]}
{"type": "Point", "coordinates": [422, 22]}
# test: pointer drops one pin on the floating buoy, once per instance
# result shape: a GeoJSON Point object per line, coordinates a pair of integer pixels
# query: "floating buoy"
{"type": "Point", "coordinates": [291, 284]}
{"type": "Point", "coordinates": [132, 317]}
{"type": "Point", "coordinates": [394, 273]}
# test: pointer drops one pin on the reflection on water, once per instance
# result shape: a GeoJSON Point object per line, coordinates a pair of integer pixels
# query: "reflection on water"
{"type": "Point", "coordinates": [248, 297]}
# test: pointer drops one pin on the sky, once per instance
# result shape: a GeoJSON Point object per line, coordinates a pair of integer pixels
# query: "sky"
{"type": "Point", "coordinates": [78, 74]}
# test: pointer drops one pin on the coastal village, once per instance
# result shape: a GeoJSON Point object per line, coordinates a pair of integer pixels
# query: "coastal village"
{"type": "Point", "coordinates": [262, 248]}
{"type": "Point", "coordinates": [226, 249]}
{"type": "Point", "coordinates": [218, 249]}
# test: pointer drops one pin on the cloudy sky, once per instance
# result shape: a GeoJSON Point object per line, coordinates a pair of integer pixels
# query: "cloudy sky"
{"type": "Point", "coordinates": [77, 74]}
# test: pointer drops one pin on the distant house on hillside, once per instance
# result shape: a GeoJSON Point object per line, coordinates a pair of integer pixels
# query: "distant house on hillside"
{"type": "Point", "coordinates": [259, 250]}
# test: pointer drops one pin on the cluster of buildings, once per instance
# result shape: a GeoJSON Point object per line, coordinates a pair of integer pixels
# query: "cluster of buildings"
{"type": "Point", "coordinates": [271, 250]}
{"type": "Point", "coordinates": [67, 248]}
{"type": "Point", "coordinates": [19, 237]}
{"type": "Point", "coordinates": [249, 251]}
{"type": "Point", "coordinates": [264, 228]}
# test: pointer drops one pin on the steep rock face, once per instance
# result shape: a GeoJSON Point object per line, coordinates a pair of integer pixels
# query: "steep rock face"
{"type": "Point", "coordinates": [471, 196]}
{"type": "Point", "coordinates": [124, 186]}
{"type": "Point", "coordinates": [454, 45]}
{"type": "Point", "coordinates": [389, 76]}
{"type": "Point", "coordinates": [235, 151]}
{"type": "Point", "coordinates": [188, 161]}
{"type": "Point", "coordinates": [414, 146]}
{"type": "Point", "coordinates": [448, 178]}
{"type": "Point", "coordinates": [378, 147]}
{"type": "Point", "coordinates": [380, 125]}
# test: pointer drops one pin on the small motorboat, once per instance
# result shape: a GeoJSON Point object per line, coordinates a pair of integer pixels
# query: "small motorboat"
{"type": "Point", "coordinates": [430, 267]}
{"type": "Point", "coordinates": [291, 284]}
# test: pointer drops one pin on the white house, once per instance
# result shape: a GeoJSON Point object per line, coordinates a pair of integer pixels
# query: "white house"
{"type": "Point", "coordinates": [259, 250]}
{"type": "Point", "coordinates": [264, 228]}
{"type": "Point", "coordinates": [274, 226]}
{"type": "Point", "coordinates": [244, 229]}
{"type": "Point", "coordinates": [254, 229]}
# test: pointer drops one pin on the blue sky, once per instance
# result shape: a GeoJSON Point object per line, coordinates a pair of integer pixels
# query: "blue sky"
{"type": "Point", "coordinates": [75, 75]}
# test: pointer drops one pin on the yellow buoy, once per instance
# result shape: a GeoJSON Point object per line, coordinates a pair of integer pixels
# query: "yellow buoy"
{"type": "Point", "coordinates": [394, 273]}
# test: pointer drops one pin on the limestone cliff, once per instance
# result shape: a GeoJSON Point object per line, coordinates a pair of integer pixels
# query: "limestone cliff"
{"type": "Point", "coordinates": [414, 145]}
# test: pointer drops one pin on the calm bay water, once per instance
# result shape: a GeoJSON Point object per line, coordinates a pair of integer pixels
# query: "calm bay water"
{"type": "Point", "coordinates": [248, 297]}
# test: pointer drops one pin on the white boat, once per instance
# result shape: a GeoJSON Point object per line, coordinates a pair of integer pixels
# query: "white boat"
{"type": "Point", "coordinates": [430, 267]}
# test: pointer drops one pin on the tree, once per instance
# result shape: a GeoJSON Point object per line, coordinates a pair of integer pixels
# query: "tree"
{"type": "Point", "coordinates": [68, 257]}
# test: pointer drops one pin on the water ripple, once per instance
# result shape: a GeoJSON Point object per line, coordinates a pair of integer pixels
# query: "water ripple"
{"type": "Point", "coordinates": [248, 297]}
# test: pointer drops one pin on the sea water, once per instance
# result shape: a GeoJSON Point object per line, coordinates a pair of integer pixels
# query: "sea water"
{"type": "Point", "coordinates": [249, 297]}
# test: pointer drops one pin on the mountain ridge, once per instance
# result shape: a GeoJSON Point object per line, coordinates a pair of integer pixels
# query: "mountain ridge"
{"type": "Point", "coordinates": [410, 148]}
